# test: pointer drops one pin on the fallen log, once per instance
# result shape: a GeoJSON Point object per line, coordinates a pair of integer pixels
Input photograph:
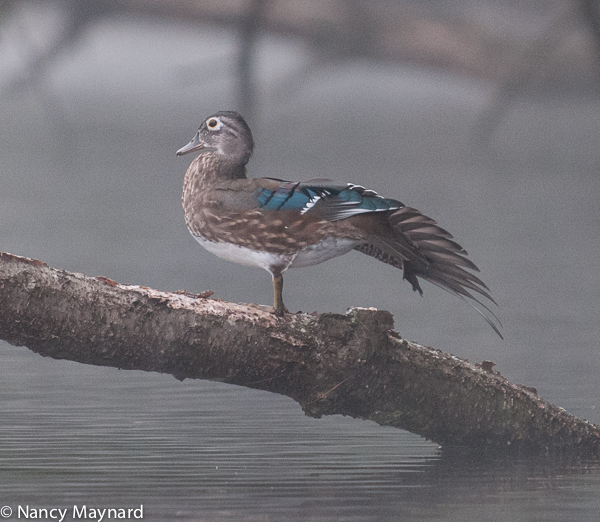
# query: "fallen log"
{"type": "Point", "coordinates": [353, 364]}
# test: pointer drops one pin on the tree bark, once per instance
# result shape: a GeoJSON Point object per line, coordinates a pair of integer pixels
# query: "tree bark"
{"type": "Point", "coordinates": [352, 364]}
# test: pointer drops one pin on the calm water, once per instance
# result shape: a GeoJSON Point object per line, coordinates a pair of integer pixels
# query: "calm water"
{"type": "Point", "coordinates": [90, 183]}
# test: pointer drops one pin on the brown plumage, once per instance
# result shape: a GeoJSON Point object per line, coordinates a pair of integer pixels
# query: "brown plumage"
{"type": "Point", "coordinates": [276, 224]}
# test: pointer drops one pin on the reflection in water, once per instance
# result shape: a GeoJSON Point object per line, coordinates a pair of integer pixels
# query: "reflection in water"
{"type": "Point", "coordinates": [122, 438]}
{"type": "Point", "coordinates": [73, 434]}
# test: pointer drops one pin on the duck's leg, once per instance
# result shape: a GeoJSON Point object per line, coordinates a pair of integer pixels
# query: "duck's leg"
{"type": "Point", "coordinates": [279, 308]}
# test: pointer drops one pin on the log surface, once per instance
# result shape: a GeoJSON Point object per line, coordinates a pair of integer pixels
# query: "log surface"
{"type": "Point", "coordinates": [353, 364]}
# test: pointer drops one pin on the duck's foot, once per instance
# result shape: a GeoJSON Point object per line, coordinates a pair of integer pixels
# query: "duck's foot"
{"type": "Point", "coordinates": [280, 311]}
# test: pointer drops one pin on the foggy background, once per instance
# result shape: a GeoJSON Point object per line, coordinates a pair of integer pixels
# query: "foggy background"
{"type": "Point", "coordinates": [483, 115]}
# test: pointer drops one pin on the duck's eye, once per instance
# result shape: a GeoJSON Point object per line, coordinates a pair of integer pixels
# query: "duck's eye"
{"type": "Point", "coordinates": [214, 124]}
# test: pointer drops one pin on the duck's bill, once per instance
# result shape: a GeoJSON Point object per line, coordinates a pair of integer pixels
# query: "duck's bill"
{"type": "Point", "coordinates": [195, 145]}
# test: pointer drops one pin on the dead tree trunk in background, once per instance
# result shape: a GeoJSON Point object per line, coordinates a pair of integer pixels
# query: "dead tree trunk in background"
{"type": "Point", "coordinates": [352, 364]}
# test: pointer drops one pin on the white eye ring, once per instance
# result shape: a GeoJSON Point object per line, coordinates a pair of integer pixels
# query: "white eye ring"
{"type": "Point", "coordinates": [214, 124]}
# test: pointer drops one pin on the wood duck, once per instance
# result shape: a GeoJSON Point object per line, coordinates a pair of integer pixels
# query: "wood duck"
{"type": "Point", "coordinates": [276, 224]}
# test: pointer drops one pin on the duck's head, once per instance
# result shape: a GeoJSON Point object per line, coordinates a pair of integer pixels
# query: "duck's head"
{"type": "Point", "coordinates": [225, 133]}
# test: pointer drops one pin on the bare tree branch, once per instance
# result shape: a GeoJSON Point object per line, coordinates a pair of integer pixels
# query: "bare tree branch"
{"type": "Point", "coordinates": [352, 364]}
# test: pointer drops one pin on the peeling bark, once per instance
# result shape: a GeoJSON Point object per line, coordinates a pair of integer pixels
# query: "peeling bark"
{"type": "Point", "coordinates": [352, 364]}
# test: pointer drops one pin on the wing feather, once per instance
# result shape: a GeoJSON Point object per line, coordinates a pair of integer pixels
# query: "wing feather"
{"type": "Point", "coordinates": [329, 200]}
{"type": "Point", "coordinates": [424, 250]}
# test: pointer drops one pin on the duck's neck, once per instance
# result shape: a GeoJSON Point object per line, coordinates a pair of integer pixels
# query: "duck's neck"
{"type": "Point", "coordinates": [211, 167]}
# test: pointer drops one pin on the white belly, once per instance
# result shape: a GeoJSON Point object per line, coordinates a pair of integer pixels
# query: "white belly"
{"type": "Point", "coordinates": [323, 251]}
{"type": "Point", "coordinates": [311, 255]}
{"type": "Point", "coordinates": [245, 256]}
